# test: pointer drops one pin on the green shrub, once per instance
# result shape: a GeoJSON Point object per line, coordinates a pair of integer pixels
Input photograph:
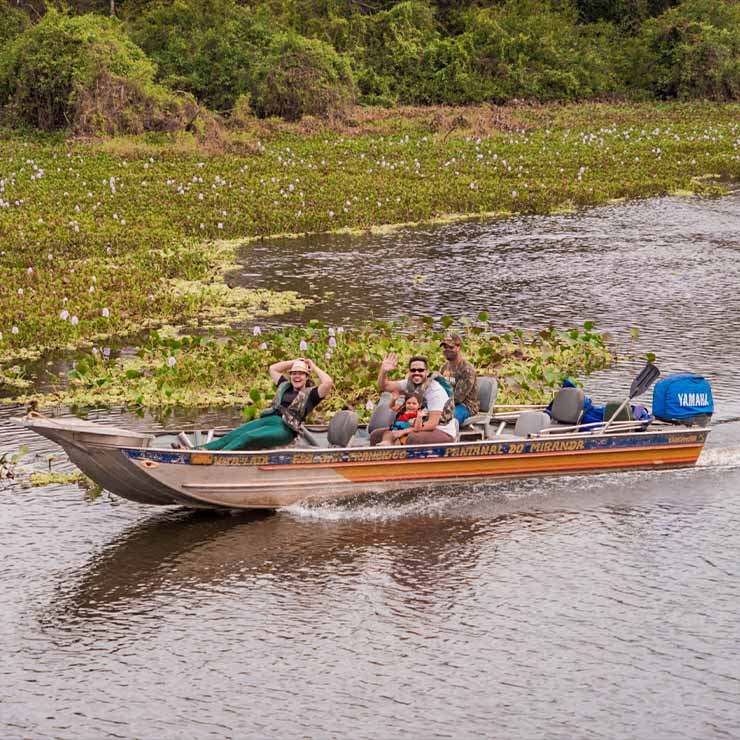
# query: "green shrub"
{"type": "Point", "coordinates": [206, 47]}
{"type": "Point", "coordinates": [390, 53]}
{"type": "Point", "coordinates": [527, 49]}
{"type": "Point", "coordinates": [82, 73]}
{"type": "Point", "coordinates": [13, 21]}
{"type": "Point", "coordinates": [300, 76]}
{"type": "Point", "coordinates": [690, 51]}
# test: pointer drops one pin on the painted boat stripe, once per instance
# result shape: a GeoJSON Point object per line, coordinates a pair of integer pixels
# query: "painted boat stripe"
{"type": "Point", "coordinates": [475, 458]}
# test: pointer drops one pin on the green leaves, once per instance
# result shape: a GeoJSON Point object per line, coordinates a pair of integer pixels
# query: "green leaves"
{"type": "Point", "coordinates": [211, 372]}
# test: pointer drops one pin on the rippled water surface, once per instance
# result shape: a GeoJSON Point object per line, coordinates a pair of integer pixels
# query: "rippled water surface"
{"type": "Point", "coordinates": [602, 607]}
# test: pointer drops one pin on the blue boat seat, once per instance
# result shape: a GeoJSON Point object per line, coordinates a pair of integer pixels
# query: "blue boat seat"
{"type": "Point", "coordinates": [531, 422]}
{"type": "Point", "coordinates": [479, 426]}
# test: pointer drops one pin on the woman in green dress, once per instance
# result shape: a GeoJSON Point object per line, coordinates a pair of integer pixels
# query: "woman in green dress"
{"type": "Point", "coordinates": [295, 398]}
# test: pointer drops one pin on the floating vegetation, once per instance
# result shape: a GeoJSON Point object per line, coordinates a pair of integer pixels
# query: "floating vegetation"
{"type": "Point", "coordinates": [106, 238]}
{"type": "Point", "coordinates": [39, 480]}
{"type": "Point", "coordinates": [197, 371]}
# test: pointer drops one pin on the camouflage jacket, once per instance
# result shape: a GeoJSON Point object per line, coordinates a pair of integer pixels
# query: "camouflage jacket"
{"type": "Point", "coordinates": [464, 379]}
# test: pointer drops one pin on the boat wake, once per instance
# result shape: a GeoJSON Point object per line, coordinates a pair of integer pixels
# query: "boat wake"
{"type": "Point", "coordinates": [719, 457]}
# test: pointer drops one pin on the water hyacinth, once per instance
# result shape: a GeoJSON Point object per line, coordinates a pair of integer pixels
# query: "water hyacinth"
{"type": "Point", "coordinates": [256, 331]}
{"type": "Point", "coordinates": [74, 321]}
{"type": "Point", "coordinates": [64, 315]}
{"type": "Point", "coordinates": [211, 372]}
{"type": "Point", "coordinates": [105, 313]}
{"type": "Point", "coordinates": [303, 346]}
{"type": "Point", "coordinates": [130, 240]}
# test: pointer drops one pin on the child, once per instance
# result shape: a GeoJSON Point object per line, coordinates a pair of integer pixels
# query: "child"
{"type": "Point", "coordinates": [405, 419]}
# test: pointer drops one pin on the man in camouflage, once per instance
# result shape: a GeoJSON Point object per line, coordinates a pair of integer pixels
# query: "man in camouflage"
{"type": "Point", "coordinates": [462, 376]}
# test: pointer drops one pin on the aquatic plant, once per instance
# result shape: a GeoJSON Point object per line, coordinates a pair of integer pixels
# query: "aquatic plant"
{"type": "Point", "coordinates": [200, 371]}
{"type": "Point", "coordinates": [96, 236]}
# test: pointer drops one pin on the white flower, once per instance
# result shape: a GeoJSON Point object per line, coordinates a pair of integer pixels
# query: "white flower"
{"type": "Point", "coordinates": [331, 332]}
{"type": "Point", "coordinates": [1, 336]}
{"type": "Point", "coordinates": [105, 313]}
{"type": "Point", "coordinates": [256, 331]}
{"type": "Point", "coordinates": [91, 289]}
{"type": "Point", "coordinates": [303, 345]}
{"type": "Point", "coordinates": [20, 291]}
{"type": "Point", "coordinates": [263, 345]}
{"type": "Point", "coordinates": [14, 330]}
{"type": "Point", "coordinates": [74, 321]}
{"type": "Point", "coordinates": [64, 315]}
{"type": "Point", "coordinates": [340, 329]}
{"type": "Point", "coordinates": [328, 354]}
{"type": "Point", "coordinates": [171, 361]}
{"type": "Point", "coordinates": [30, 271]}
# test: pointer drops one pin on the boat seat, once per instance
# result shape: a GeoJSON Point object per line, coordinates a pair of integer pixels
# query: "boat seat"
{"type": "Point", "coordinates": [342, 428]}
{"type": "Point", "coordinates": [383, 415]}
{"type": "Point", "coordinates": [339, 433]}
{"type": "Point", "coordinates": [611, 407]}
{"type": "Point", "coordinates": [531, 422]}
{"type": "Point", "coordinates": [567, 406]}
{"type": "Point", "coordinates": [478, 426]}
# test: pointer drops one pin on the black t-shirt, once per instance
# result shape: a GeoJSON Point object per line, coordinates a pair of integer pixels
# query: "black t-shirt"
{"type": "Point", "coordinates": [314, 399]}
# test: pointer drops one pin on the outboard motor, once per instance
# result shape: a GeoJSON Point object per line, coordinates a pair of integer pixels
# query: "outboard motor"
{"type": "Point", "coordinates": [683, 399]}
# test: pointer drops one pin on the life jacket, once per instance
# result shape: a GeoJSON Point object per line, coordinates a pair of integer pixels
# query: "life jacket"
{"type": "Point", "coordinates": [448, 412]}
{"type": "Point", "coordinates": [294, 415]}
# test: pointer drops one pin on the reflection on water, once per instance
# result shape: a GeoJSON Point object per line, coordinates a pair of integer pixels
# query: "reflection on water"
{"type": "Point", "coordinates": [581, 606]}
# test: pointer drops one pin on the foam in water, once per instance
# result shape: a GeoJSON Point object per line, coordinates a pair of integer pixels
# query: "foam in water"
{"type": "Point", "coordinates": [725, 457]}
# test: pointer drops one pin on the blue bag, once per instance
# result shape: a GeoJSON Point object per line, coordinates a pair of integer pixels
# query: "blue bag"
{"type": "Point", "coordinates": [682, 397]}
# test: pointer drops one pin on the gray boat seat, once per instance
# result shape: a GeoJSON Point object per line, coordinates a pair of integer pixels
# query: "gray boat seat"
{"type": "Point", "coordinates": [531, 422]}
{"type": "Point", "coordinates": [478, 426]}
{"type": "Point", "coordinates": [567, 406]}
{"type": "Point", "coordinates": [383, 415]}
{"type": "Point", "coordinates": [339, 433]}
{"type": "Point", "coordinates": [342, 428]}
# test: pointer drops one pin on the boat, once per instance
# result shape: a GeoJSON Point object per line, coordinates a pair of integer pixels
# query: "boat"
{"type": "Point", "coordinates": [336, 461]}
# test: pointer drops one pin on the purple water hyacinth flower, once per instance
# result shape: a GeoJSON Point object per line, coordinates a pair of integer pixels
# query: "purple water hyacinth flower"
{"type": "Point", "coordinates": [303, 345]}
{"type": "Point", "coordinates": [64, 315]}
{"type": "Point", "coordinates": [369, 405]}
{"type": "Point", "coordinates": [328, 354]}
{"type": "Point", "coordinates": [263, 345]}
{"type": "Point", "coordinates": [105, 313]}
{"type": "Point", "coordinates": [171, 361]}
{"type": "Point", "coordinates": [14, 330]}
{"type": "Point", "coordinates": [74, 321]}
{"type": "Point", "coordinates": [256, 331]}
{"type": "Point", "coordinates": [331, 332]}
{"type": "Point", "coordinates": [332, 342]}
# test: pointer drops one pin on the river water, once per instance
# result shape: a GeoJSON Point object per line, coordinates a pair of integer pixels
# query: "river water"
{"type": "Point", "coordinates": [580, 607]}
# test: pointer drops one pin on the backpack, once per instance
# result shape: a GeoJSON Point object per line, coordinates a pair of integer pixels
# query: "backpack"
{"type": "Point", "coordinates": [443, 382]}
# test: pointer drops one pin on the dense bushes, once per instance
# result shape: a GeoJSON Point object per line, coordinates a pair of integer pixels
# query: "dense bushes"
{"type": "Point", "coordinates": [84, 73]}
{"type": "Point", "coordinates": [206, 47]}
{"type": "Point", "coordinates": [690, 51]}
{"type": "Point", "coordinates": [300, 76]}
{"type": "Point", "coordinates": [13, 21]}
{"type": "Point", "coordinates": [295, 57]}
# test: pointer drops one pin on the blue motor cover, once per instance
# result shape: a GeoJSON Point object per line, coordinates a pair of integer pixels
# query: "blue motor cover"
{"type": "Point", "coordinates": [682, 397]}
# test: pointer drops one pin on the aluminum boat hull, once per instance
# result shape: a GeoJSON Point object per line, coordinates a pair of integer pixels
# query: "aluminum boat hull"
{"type": "Point", "coordinates": [130, 465]}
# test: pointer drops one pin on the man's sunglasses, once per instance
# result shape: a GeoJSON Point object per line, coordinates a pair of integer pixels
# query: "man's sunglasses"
{"type": "Point", "coordinates": [417, 370]}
